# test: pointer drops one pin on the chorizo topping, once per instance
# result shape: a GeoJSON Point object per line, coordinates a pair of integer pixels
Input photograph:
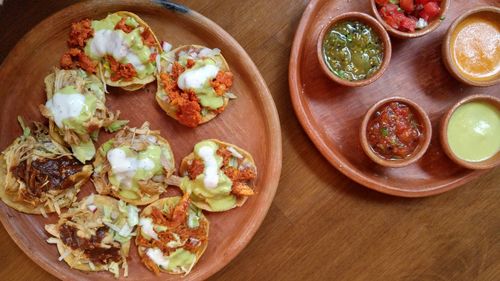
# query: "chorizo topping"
{"type": "Point", "coordinates": [76, 58]}
{"type": "Point", "coordinates": [188, 106]}
{"type": "Point", "coordinates": [180, 230]}
{"type": "Point", "coordinates": [80, 32]}
{"type": "Point", "coordinates": [121, 71]}
{"type": "Point", "coordinates": [232, 168]}
{"type": "Point", "coordinates": [195, 85]}
{"type": "Point", "coordinates": [148, 38]}
{"type": "Point", "coordinates": [124, 27]}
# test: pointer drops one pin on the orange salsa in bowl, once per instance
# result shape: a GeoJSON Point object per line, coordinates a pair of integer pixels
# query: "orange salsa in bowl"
{"type": "Point", "coordinates": [471, 47]}
{"type": "Point", "coordinates": [475, 45]}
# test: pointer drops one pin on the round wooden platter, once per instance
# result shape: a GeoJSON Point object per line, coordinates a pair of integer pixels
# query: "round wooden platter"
{"type": "Point", "coordinates": [331, 114]}
{"type": "Point", "coordinates": [251, 122]}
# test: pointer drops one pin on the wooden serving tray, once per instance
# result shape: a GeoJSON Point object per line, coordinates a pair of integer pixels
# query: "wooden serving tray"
{"type": "Point", "coordinates": [251, 122]}
{"type": "Point", "coordinates": [331, 114]}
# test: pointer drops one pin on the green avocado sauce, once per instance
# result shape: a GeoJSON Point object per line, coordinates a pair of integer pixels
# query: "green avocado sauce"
{"type": "Point", "coordinates": [474, 131]}
{"type": "Point", "coordinates": [88, 110]}
{"type": "Point", "coordinates": [352, 50]}
{"type": "Point", "coordinates": [133, 40]}
{"type": "Point", "coordinates": [152, 152]}
{"type": "Point", "coordinates": [206, 94]}
{"type": "Point", "coordinates": [180, 259]}
{"type": "Point", "coordinates": [218, 198]}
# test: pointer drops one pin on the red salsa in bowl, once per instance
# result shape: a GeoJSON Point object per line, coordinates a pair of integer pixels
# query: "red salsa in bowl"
{"type": "Point", "coordinates": [410, 18]}
{"type": "Point", "coordinates": [395, 132]}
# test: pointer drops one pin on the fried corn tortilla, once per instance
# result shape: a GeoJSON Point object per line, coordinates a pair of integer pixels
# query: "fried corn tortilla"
{"type": "Point", "coordinates": [120, 48]}
{"type": "Point", "coordinates": [193, 84]}
{"type": "Point", "coordinates": [134, 166]}
{"type": "Point", "coordinates": [76, 110]}
{"type": "Point", "coordinates": [172, 235]}
{"type": "Point", "coordinates": [95, 234]}
{"type": "Point", "coordinates": [218, 176]}
{"type": "Point", "coordinates": [38, 175]}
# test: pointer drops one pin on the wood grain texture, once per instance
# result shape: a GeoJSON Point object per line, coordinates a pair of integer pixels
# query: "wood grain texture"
{"type": "Point", "coordinates": [322, 225]}
{"type": "Point", "coordinates": [332, 114]}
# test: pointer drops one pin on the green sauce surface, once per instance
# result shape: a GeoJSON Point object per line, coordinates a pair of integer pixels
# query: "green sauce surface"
{"type": "Point", "coordinates": [474, 131]}
{"type": "Point", "coordinates": [352, 50]}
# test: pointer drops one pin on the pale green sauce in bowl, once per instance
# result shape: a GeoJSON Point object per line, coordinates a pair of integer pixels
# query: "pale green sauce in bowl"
{"type": "Point", "coordinates": [474, 131]}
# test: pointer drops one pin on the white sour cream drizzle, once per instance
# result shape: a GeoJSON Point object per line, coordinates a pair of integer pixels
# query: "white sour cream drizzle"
{"type": "Point", "coordinates": [156, 255]}
{"type": "Point", "coordinates": [147, 227]}
{"type": "Point", "coordinates": [211, 179]}
{"type": "Point", "coordinates": [64, 106]}
{"type": "Point", "coordinates": [196, 78]}
{"type": "Point", "coordinates": [111, 42]}
{"type": "Point", "coordinates": [124, 167]}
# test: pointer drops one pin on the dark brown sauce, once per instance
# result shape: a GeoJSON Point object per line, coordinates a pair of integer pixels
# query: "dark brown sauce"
{"type": "Point", "coordinates": [47, 174]}
{"type": "Point", "coordinates": [90, 246]}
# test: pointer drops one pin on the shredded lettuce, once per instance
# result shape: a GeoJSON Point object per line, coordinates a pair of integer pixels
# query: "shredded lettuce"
{"type": "Point", "coordinates": [95, 135]}
{"type": "Point", "coordinates": [176, 242]}
{"type": "Point", "coordinates": [233, 162]}
{"type": "Point", "coordinates": [106, 147]}
{"type": "Point", "coordinates": [84, 151]}
{"type": "Point", "coordinates": [133, 215]}
{"type": "Point", "coordinates": [107, 213]}
{"type": "Point", "coordinates": [193, 219]}
{"type": "Point", "coordinates": [26, 129]}
{"type": "Point", "coordinates": [113, 268]}
{"type": "Point", "coordinates": [160, 228]}
{"type": "Point", "coordinates": [116, 125]}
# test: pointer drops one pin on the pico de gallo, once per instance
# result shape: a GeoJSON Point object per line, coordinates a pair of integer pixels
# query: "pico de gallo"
{"type": "Point", "coordinates": [393, 132]}
{"type": "Point", "coordinates": [409, 15]}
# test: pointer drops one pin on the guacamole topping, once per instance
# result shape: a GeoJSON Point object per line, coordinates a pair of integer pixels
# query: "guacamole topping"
{"type": "Point", "coordinates": [212, 186]}
{"type": "Point", "coordinates": [71, 109]}
{"type": "Point", "coordinates": [123, 47]}
{"type": "Point", "coordinates": [198, 78]}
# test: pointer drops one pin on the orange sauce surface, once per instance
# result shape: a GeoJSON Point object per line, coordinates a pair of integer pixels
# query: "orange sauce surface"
{"type": "Point", "coordinates": [475, 46]}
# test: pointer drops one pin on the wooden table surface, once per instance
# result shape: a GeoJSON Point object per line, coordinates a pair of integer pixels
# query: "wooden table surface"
{"type": "Point", "coordinates": [321, 225]}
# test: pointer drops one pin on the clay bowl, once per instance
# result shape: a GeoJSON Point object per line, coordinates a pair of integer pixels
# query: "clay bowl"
{"type": "Point", "coordinates": [448, 53]}
{"type": "Point", "coordinates": [485, 164]}
{"type": "Point", "coordinates": [418, 33]}
{"type": "Point", "coordinates": [376, 26]}
{"type": "Point", "coordinates": [423, 120]}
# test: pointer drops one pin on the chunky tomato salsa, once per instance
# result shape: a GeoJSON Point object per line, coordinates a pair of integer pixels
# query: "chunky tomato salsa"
{"type": "Point", "coordinates": [393, 132]}
{"type": "Point", "coordinates": [408, 15]}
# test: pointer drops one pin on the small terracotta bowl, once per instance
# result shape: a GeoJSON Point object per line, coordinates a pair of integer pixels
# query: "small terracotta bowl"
{"type": "Point", "coordinates": [418, 33]}
{"type": "Point", "coordinates": [377, 28]}
{"type": "Point", "coordinates": [486, 164]}
{"type": "Point", "coordinates": [423, 120]}
{"type": "Point", "coordinates": [448, 52]}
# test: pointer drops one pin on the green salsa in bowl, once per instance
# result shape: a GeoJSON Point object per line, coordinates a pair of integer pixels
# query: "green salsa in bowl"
{"type": "Point", "coordinates": [354, 49]}
{"type": "Point", "coordinates": [470, 132]}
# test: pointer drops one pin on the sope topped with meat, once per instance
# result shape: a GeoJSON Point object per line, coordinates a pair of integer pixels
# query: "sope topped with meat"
{"type": "Point", "coordinates": [134, 166]}
{"type": "Point", "coordinates": [38, 175]}
{"type": "Point", "coordinates": [95, 234]}
{"type": "Point", "coordinates": [172, 235]}
{"type": "Point", "coordinates": [193, 84]}
{"type": "Point", "coordinates": [218, 176]}
{"type": "Point", "coordinates": [76, 110]}
{"type": "Point", "coordinates": [120, 48]}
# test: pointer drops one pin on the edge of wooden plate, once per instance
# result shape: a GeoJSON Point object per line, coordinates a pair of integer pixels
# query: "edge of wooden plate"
{"type": "Point", "coordinates": [266, 102]}
{"type": "Point", "coordinates": [314, 135]}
